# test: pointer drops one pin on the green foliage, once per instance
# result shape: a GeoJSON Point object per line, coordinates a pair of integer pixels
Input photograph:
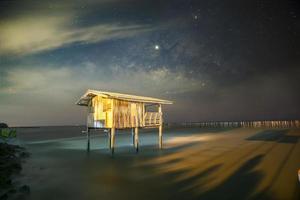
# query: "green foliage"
{"type": "Point", "coordinates": [7, 134]}
{"type": "Point", "coordinates": [3, 125]}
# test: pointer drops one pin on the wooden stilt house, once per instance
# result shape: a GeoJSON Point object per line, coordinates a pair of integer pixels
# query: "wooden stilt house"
{"type": "Point", "coordinates": [111, 111]}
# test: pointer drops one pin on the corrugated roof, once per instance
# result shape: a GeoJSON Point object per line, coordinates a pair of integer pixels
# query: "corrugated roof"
{"type": "Point", "coordinates": [84, 100]}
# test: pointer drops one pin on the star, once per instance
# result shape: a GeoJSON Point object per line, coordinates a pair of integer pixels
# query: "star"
{"type": "Point", "coordinates": [156, 47]}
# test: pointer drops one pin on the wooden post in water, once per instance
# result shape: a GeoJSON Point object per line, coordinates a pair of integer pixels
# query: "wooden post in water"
{"type": "Point", "coordinates": [112, 140]}
{"type": "Point", "coordinates": [109, 136]}
{"type": "Point", "coordinates": [160, 127]}
{"type": "Point", "coordinates": [136, 139]}
{"type": "Point", "coordinates": [132, 135]}
{"type": "Point", "coordinates": [88, 138]}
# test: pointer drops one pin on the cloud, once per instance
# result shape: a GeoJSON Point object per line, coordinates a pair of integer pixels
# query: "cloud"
{"type": "Point", "coordinates": [29, 35]}
{"type": "Point", "coordinates": [46, 81]}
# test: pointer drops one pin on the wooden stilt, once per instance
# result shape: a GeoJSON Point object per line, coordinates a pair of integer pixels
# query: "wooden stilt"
{"type": "Point", "coordinates": [88, 138]}
{"type": "Point", "coordinates": [136, 139]}
{"type": "Point", "coordinates": [160, 127]}
{"type": "Point", "coordinates": [160, 139]}
{"type": "Point", "coordinates": [132, 134]}
{"type": "Point", "coordinates": [112, 140]}
{"type": "Point", "coordinates": [109, 136]}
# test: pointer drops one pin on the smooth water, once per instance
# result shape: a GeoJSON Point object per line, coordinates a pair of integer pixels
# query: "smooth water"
{"type": "Point", "coordinates": [194, 164]}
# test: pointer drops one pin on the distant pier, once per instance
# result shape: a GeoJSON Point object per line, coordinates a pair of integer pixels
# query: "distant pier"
{"type": "Point", "coordinates": [245, 124]}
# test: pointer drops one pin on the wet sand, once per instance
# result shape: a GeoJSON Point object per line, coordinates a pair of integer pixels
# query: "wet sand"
{"type": "Point", "coordinates": [240, 163]}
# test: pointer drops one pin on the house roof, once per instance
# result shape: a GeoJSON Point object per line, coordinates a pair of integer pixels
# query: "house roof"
{"type": "Point", "coordinates": [84, 100]}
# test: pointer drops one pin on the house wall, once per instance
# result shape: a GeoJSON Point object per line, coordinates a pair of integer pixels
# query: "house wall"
{"type": "Point", "coordinates": [127, 114]}
{"type": "Point", "coordinates": [108, 113]}
{"type": "Point", "coordinates": [100, 113]}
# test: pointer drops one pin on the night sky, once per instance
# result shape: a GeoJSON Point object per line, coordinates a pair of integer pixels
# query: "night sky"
{"type": "Point", "coordinates": [216, 59]}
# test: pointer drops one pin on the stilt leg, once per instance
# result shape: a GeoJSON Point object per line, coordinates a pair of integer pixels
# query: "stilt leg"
{"type": "Point", "coordinates": [133, 138]}
{"type": "Point", "coordinates": [109, 136]}
{"type": "Point", "coordinates": [112, 140]}
{"type": "Point", "coordinates": [160, 127]}
{"type": "Point", "coordinates": [160, 142]}
{"type": "Point", "coordinates": [88, 139]}
{"type": "Point", "coordinates": [136, 139]}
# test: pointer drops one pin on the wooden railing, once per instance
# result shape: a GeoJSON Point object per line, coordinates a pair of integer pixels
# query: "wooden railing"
{"type": "Point", "coordinates": [153, 119]}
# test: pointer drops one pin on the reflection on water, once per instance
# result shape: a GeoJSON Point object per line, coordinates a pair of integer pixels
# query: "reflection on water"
{"type": "Point", "coordinates": [195, 164]}
{"type": "Point", "coordinates": [235, 168]}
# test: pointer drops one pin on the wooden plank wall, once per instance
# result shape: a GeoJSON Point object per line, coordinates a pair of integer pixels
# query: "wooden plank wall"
{"type": "Point", "coordinates": [100, 113]}
{"type": "Point", "coordinates": [127, 114]}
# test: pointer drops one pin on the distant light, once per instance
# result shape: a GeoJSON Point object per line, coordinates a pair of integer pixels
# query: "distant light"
{"type": "Point", "coordinates": [195, 17]}
{"type": "Point", "coordinates": [156, 47]}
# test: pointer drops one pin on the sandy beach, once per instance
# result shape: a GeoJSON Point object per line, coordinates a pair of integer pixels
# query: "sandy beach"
{"type": "Point", "coordinates": [196, 163]}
